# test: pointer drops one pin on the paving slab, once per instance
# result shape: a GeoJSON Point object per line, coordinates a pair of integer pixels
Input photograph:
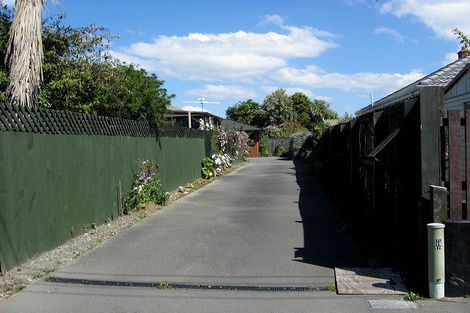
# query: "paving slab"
{"type": "Point", "coordinates": [369, 281]}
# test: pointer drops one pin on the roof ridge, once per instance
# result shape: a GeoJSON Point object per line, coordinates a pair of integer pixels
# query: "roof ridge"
{"type": "Point", "coordinates": [452, 69]}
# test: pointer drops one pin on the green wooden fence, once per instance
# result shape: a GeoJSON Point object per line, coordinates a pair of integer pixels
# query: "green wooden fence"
{"type": "Point", "coordinates": [61, 170]}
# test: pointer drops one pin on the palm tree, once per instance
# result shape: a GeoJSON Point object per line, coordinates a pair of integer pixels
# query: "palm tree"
{"type": "Point", "coordinates": [24, 53]}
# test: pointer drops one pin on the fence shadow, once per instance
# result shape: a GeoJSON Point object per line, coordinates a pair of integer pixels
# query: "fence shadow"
{"type": "Point", "coordinates": [326, 241]}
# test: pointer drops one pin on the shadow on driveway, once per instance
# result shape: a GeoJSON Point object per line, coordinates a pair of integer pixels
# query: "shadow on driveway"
{"type": "Point", "coordinates": [326, 241]}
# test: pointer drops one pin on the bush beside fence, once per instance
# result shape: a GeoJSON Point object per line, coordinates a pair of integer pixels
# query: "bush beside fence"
{"type": "Point", "coordinates": [60, 171]}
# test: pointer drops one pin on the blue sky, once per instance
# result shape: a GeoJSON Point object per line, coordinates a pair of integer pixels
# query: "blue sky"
{"type": "Point", "coordinates": [228, 51]}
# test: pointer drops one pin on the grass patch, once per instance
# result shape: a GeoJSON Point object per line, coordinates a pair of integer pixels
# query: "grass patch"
{"type": "Point", "coordinates": [164, 285]}
{"type": "Point", "coordinates": [331, 287]}
{"type": "Point", "coordinates": [411, 296]}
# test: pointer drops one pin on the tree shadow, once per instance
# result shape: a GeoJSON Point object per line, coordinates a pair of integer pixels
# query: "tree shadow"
{"type": "Point", "coordinates": [326, 241]}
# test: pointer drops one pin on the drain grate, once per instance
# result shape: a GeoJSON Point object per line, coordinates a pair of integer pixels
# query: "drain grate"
{"type": "Point", "coordinates": [171, 285]}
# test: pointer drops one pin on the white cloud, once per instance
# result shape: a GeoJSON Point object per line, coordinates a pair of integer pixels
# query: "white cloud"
{"type": "Point", "coordinates": [389, 31]}
{"type": "Point", "coordinates": [292, 90]}
{"type": "Point", "coordinates": [449, 58]}
{"type": "Point", "coordinates": [325, 98]}
{"type": "Point", "coordinates": [226, 56]}
{"type": "Point", "coordinates": [314, 77]}
{"type": "Point", "coordinates": [272, 19]}
{"type": "Point", "coordinates": [220, 92]}
{"type": "Point", "coordinates": [439, 15]}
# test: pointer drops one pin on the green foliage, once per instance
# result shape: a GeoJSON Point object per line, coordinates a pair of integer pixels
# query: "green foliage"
{"type": "Point", "coordinates": [281, 115]}
{"type": "Point", "coordinates": [464, 39]}
{"type": "Point", "coordinates": [247, 112]}
{"type": "Point", "coordinates": [321, 111]}
{"type": "Point", "coordinates": [264, 146]}
{"type": "Point", "coordinates": [145, 188]}
{"type": "Point", "coordinates": [215, 145]}
{"type": "Point", "coordinates": [5, 23]}
{"type": "Point", "coordinates": [293, 127]}
{"type": "Point", "coordinates": [88, 227]}
{"type": "Point", "coordinates": [80, 74]}
{"type": "Point", "coordinates": [297, 143]}
{"type": "Point", "coordinates": [346, 118]}
{"type": "Point", "coordinates": [280, 151]}
{"type": "Point", "coordinates": [331, 287]}
{"type": "Point", "coordinates": [411, 296]}
{"type": "Point", "coordinates": [208, 168]}
{"type": "Point", "coordinates": [302, 105]}
{"type": "Point", "coordinates": [277, 108]}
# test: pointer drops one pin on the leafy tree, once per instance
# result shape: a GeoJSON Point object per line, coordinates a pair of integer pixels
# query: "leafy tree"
{"type": "Point", "coordinates": [321, 111]}
{"type": "Point", "coordinates": [277, 108]}
{"type": "Point", "coordinates": [129, 92]}
{"type": "Point", "coordinates": [24, 53]}
{"type": "Point", "coordinates": [80, 75]}
{"type": "Point", "coordinates": [247, 112]}
{"type": "Point", "coordinates": [302, 106]}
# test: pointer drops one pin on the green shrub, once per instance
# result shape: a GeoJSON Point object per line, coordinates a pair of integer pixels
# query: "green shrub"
{"type": "Point", "coordinates": [296, 143]}
{"type": "Point", "coordinates": [208, 168]}
{"type": "Point", "coordinates": [264, 146]}
{"type": "Point", "coordinates": [280, 151]}
{"type": "Point", "coordinates": [146, 188]}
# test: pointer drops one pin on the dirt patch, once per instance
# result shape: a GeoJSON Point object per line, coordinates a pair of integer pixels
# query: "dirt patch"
{"type": "Point", "coordinates": [21, 276]}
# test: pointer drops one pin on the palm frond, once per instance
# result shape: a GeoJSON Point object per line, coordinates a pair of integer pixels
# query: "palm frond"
{"type": "Point", "coordinates": [25, 53]}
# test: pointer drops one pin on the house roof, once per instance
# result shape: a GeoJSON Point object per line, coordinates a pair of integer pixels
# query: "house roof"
{"type": "Point", "coordinates": [442, 77]}
{"type": "Point", "coordinates": [175, 112]}
{"type": "Point", "coordinates": [172, 108]}
{"type": "Point", "coordinates": [229, 124]}
{"type": "Point", "coordinates": [464, 71]}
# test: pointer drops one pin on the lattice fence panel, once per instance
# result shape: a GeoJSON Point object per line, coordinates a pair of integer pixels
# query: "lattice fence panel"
{"type": "Point", "coordinates": [47, 121]}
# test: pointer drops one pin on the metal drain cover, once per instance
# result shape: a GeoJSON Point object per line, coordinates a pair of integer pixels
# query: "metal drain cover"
{"type": "Point", "coordinates": [176, 285]}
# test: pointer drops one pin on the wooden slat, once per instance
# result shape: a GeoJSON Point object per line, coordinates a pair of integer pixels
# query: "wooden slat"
{"type": "Point", "coordinates": [455, 174]}
{"type": "Point", "coordinates": [467, 161]}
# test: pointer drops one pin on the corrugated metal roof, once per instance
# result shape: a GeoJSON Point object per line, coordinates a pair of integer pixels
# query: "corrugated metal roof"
{"type": "Point", "coordinates": [442, 77]}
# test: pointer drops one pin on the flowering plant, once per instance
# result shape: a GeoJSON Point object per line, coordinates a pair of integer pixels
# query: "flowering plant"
{"type": "Point", "coordinates": [222, 162]}
{"type": "Point", "coordinates": [233, 142]}
{"type": "Point", "coordinates": [145, 188]}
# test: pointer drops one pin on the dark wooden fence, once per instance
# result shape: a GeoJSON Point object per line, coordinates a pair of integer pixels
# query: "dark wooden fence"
{"type": "Point", "coordinates": [380, 169]}
{"type": "Point", "coordinates": [456, 162]}
{"type": "Point", "coordinates": [394, 170]}
{"type": "Point", "coordinates": [370, 168]}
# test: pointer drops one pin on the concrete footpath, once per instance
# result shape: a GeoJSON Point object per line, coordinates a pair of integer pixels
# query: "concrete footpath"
{"type": "Point", "coordinates": [265, 233]}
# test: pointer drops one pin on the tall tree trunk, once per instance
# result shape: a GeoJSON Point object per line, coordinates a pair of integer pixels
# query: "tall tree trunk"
{"type": "Point", "coordinates": [24, 53]}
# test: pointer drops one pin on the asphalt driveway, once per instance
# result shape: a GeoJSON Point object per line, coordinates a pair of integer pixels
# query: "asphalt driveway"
{"type": "Point", "coordinates": [266, 225]}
